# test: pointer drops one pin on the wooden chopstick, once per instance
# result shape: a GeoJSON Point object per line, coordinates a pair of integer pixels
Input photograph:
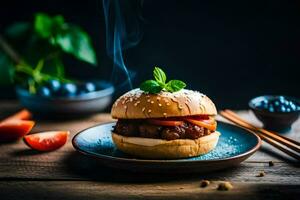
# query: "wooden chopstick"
{"type": "Point", "coordinates": [273, 142]}
{"type": "Point", "coordinates": [279, 138]}
{"type": "Point", "coordinates": [278, 146]}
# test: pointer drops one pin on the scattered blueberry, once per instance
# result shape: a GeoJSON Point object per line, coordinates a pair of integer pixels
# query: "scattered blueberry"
{"type": "Point", "coordinates": [44, 91]}
{"type": "Point", "coordinates": [54, 85]}
{"type": "Point", "coordinates": [278, 104]}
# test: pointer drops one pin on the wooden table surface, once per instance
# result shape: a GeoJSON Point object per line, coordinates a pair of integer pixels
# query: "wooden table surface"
{"type": "Point", "coordinates": [66, 174]}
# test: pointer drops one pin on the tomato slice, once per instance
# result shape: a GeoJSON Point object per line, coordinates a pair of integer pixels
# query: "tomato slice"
{"type": "Point", "coordinates": [200, 117]}
{"type": "Point", "coordinates": [21, 115]}
{"type": "Point", "coordinates": [46, 141]}
{"type": "Point", "coordinates": [14, 129]}
{"type": "Point", "coordinates": [162, 122]}
{"type": "Point", "coordinates": [210, 124]}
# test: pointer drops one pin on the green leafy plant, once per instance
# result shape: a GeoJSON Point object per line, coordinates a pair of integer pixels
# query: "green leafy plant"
{"type": "Point", "coordinates": [160, 83]}
{"type": "Point", "coordinates": [32, 52]}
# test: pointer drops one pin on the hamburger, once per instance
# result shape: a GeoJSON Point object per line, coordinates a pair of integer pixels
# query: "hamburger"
{"type": "Point", "coordinates": [165, 124]}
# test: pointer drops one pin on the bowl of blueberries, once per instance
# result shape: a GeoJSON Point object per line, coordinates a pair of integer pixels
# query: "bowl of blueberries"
{"type": "Point", "coordinates": [277, 113]}
{"type": "Point", "coordinates": [70, 99]}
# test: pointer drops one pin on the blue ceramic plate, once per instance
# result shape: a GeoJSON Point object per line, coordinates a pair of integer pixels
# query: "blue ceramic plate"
{"type": "Point", "coordinates": [234, 146]}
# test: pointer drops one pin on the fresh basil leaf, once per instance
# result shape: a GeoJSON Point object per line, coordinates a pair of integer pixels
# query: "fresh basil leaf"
{"type": "Point", "coordinates": [43, 25]}
{"type": "Point", "coordinates": [151, 86]}
{"type": "Point", "coordinates": [159, 75]}
{"type": "Point", "coordinates": [175, 85]}
{"type": "Point", "coordinates": [58, 21]}
{"type": "Point", "coordinates": [77, 43]}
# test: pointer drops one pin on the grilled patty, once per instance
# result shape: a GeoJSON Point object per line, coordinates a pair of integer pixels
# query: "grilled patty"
{"type": "Point", "coordinates": [140, 128]}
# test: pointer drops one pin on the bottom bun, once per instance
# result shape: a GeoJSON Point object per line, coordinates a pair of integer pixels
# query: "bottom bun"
{"type": "Point", "coordinates": [166, 149]}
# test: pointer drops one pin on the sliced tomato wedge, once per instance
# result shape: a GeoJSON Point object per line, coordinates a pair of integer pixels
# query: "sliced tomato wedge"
{"type": "Point", "coordinates": [21, 115]}
{"type": "Point", "coordinates": [46, 141]}
{"type": "Point", "coordinates": [210, 124]}
{"type": "Point", "coordinates": [14, 129]}
{"type": "Point", "coordinates": [162, 122]}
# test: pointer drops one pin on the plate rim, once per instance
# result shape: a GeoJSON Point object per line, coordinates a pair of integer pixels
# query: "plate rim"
{"type": "Point", "coordinates": [183, 160]}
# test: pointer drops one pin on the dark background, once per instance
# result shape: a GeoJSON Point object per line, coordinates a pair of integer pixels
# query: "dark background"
{"type": "Point", "coordinates": [229, 50]}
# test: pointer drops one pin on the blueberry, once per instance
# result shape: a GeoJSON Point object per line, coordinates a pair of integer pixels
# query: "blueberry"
{"type": "Point", "coordinates": [276, 103]}
{"type": "Point", "coordinates": [286, 103]}
{"type": "Point", "coordinates": [67, 89]}
{"type": "Point", "coordinates": [293, 106]}
{"type": "Point", "coordinates": [281, 99]}
{"type": "Point", "coordinates": [44, 91]}
{"type": "Point", "coordinates": [54, 85]}
{"type": "Point", "coordinates": [265, 106]}
{"type": "Point", "coordinates": [263, 102]}
{"type": "Point", "coordinates": [282, 109]}
{"type": "Point", "coordinates": [89, 87]}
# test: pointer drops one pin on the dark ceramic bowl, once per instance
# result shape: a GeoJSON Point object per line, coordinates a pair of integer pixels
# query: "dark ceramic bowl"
{"type": "Point", "coordinates": [74, 106]}
{"type": "Point", "coordinates": [276, 121]}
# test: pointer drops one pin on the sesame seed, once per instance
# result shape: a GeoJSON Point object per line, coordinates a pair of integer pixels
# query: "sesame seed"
{"type": "Point", "coordinates": [168, 104]}
{"type": "Point", "coordinates": [125, 107]}
{"type": "Point", "coordinates": [165, 114]}
{"type": "Point", "coordinates": [159, 105]}
{"type": "Point", "coordinates": [143, 109]}
{"type": "Point", "coordinates": [152, 102]}
{"type": "Point", "coordinates": [158, 98]}
{"type": "Point", "coordinates": [148, 100]}
{"type": "Point", "coordinates": [180, 107]}
{"type": "Point", "coordinates": [149, 111]}
{"type": "Point", "coordinates": [130, 99]}
{"type": "Point", "coordinates": [135, 104]}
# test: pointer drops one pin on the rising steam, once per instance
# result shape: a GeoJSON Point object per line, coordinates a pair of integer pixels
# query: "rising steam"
{"type": "Point", "coordinates": [122, 22]}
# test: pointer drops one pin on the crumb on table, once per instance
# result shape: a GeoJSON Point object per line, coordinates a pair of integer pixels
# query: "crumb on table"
{"type": "Point", "coordinates": [261, 174]}
{"type": "Point", "coordinates": [204, 183]}
{"type": "Point", "coordinates": [224, 186]}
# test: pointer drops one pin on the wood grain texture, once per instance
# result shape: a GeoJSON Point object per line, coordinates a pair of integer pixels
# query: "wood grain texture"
{"type": "Point", "coordinates": [66, 174]}
{"type": "Point", "coordinates": [180, 190]}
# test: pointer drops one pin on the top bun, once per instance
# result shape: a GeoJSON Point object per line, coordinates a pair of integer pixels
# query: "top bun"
{"type": "Point", "coordinates": [137, 104]}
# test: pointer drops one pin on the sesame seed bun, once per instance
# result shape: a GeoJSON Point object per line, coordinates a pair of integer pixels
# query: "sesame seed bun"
{"type": "Point", "coordinates": [137, 104]}
{"type": "Point", "coordinates": [164, 149]}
